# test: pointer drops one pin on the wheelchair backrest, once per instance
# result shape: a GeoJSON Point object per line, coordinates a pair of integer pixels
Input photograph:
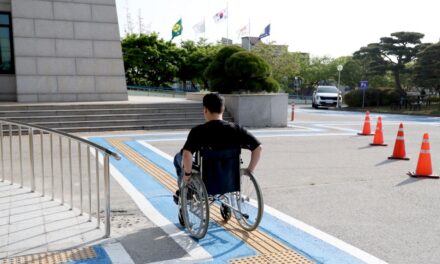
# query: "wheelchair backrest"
{"type": "Point", "coordinates": [220, 170]}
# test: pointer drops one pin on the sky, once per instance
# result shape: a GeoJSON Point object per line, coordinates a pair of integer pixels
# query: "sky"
{"type": "Point", "coordinates": [319, 27]}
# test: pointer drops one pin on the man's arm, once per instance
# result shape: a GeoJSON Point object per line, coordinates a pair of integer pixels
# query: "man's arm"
{"type": "Point", "coordinates": [255, 157]}
{"type": "Point", "coordinates": [187, 164]}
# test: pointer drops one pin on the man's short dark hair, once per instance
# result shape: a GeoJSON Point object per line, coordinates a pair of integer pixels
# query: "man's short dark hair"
{"type": "Point", "coordinates": [214, 102]}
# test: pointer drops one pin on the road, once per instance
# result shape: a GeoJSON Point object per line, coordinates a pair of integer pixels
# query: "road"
{"type": "Point", "coordinates": [320, 172]}
{"type": "Point", "coordinates": [325, 175]}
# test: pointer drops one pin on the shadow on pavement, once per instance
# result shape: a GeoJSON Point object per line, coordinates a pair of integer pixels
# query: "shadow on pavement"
{"type": "Point", "coordinates": [151, 245]}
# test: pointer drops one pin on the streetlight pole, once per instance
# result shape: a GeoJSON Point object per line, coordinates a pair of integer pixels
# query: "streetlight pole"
{"type": "Point", "coordinates": [339, 68]}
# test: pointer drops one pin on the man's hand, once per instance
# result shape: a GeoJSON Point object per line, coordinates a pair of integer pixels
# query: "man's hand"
{"type": "Point", "coordinates": [255, 157]}
{"type": "Point", "coordinates": [187, 164]}
{"type": "Point", "coordinates": [186, 178]}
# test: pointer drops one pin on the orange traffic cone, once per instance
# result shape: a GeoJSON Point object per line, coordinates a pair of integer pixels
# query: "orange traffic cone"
{"type": "Point", "coordinates": [424, 166]}
{"type": "Point", "coordinates": [399, 146]}
{"type": "Point", "coordinates": [378, 136]}
{"type": "Point", "coordinates": [366, 130]}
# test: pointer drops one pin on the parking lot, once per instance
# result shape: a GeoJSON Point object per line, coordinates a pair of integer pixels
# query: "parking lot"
{"type": "Point", "coordinates": [320, 172]}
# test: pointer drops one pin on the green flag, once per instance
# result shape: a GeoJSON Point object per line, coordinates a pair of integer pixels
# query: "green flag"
{"type": "Point", "coordinates": [177, 29]}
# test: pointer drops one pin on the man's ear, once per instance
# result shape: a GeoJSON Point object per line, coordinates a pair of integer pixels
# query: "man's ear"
{"type": "Point", "coordinates": [205, 110]}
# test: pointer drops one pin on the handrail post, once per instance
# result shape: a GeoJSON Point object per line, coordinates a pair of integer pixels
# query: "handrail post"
{"type": "Point", "coordinates": [21, 156]}
{"type": "Point", "coordinates": [1, 151]}
{"type": "Point", "coordinates": [107, 195]}
{"type": "Point", "coordinates": [98, 202]}
{"type": "Point", "coordinates": [89, 177]}
{"type": "Point", "coordinates": [42, 163]}
{"type": "Point", "coordinates": [61, 169]}
{"type": "Point", "coordinates": [70, 174]}
{"type": "Point", "coordinates": [31, 155]}
{"type": "Point", "coordinates": [10, 153]}
{"type": "Point", "coordinates": [80, 179]}
{"type": "Point", "coordinates": [52, 178]}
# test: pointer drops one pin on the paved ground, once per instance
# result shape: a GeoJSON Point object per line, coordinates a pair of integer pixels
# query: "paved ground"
{"type": "Point", "coordinates": [317, 171]}
{"type": "Point", "coordinates": [320, 172]}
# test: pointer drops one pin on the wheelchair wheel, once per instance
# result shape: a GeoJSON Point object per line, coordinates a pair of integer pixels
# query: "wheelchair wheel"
{"type": "Point", "coordinates": [181, 221]}
{"type": "Point", "coordinates": [249, 202]}
{"type": "Point", "coordinates": [195, 207]}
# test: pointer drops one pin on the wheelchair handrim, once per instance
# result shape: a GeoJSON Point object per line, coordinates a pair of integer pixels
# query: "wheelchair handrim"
{"type": "Point", "coordinates": [196, 209]}
{"type": "Point", "coordinates": [248, 206]}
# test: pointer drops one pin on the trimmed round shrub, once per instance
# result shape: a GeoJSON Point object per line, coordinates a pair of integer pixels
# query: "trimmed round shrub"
{"type": "Point", "coordinates": [245, 65]}
{"type": "Point", "coordinates": [236, 70]}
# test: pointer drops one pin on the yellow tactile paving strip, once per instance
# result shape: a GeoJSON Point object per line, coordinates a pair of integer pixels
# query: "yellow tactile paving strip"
{"type": "Point", "coordinates": [53, 257]}
{"type": "Point", "coordinates": [261, 242]}
{"type": "Point", "coordinates": [282, 257]}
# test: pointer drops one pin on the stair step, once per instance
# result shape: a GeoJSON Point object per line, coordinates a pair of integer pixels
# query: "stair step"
{"type": "Point", "coordinates": [97, 111]}
{"type": "Point", "coordinates": [106, 117]}
{"type": "Point", "coordinates": [117, 128]}
{"type": "Point", "coordinates": [38, 107]}
{"type": "Point", "coordinates": [69, 118]}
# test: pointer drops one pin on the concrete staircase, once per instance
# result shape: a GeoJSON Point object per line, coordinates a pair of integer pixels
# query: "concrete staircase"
{"type": "Point", "coordinates": [87, 117]}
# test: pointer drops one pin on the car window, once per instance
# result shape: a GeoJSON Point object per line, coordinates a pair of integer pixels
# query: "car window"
{"type": "Point", "coordinates": [327, 90]}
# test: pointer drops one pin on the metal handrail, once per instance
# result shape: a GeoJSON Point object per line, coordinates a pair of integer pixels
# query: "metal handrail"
{"type": "Point", "coordinates": [49, 130]}
{"type": "Point", "coordinates": [90, 145]}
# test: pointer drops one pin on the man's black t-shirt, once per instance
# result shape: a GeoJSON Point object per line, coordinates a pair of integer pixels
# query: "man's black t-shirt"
{"type": "Point", "coordinates": [218, 135]}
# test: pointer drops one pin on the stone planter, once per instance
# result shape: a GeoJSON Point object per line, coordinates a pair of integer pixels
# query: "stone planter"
{"type": "Point", "coordinates": [258, 110]}
{"type": "Point", "coordinates": [195, 96]}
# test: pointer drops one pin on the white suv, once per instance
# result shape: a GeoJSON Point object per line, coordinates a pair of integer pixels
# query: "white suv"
{"type": "Point", "coordinates": [326, 96]}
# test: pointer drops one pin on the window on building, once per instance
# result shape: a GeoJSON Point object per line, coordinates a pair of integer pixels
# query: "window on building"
{"type": "Point", "coordinates": [6, 56]}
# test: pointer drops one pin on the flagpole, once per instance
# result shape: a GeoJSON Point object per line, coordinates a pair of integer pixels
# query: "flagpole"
{"type": "Point", "coordinates": [249, 34]}
{"type": "Point", "coordinates": [227, 21]}
{"type": "Point", "coordinates": [270, 25]}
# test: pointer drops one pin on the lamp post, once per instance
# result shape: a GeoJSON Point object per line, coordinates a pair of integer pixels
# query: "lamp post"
{"type": "Point", "coordinates": [339, 68]}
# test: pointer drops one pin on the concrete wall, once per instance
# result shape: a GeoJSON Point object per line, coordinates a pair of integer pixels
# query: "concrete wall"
{"type": "Point", "coordinates": [5, 5]}
{"type": "Point", "coordinates": [258, 110]}
{"type": "Point", "coordinates": [8, 88]}
{"type": "Point", "coordinates": [7, 81]}
{"type": "Point", "coordinates": [67, 51]}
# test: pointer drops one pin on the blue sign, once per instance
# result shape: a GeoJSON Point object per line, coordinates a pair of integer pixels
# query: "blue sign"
{"type": "Point", "coordinates": [364, 85]}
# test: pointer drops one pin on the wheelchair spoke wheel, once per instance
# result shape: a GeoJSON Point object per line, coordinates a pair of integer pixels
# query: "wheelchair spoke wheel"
{"type": "Point", "coordinates": [249, 202]}
{"type": "Point", "coordinates": [195, 207]}
{"type": "Point", "coordinates": [181, 221]}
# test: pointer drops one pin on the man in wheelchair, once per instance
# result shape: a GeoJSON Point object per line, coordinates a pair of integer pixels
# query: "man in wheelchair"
{"type": "Point", "coordinates": [215, 134]}
{"type": "Point", "coordinates": [216, 140]}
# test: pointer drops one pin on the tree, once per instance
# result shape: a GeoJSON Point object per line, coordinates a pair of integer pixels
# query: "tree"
{"type": "Point", "coordinates": [234, 69]}
{"type": "Point", "coordinates": [196, 57]}
{"type": "Point", "coordinates": [285, 65]}
{"type": "Point", "coordinates": [320, 70]}
{"type": "Point", "coordinates": [427, 68]}
{"type": "Point", "coordinates": [357, 69]}
{"type": "Point", "coordinates": [149, 60]}
{"type": "Point", "coordinates": [391, 54]}
{"type": "Point", "coordinates": [351, 73]}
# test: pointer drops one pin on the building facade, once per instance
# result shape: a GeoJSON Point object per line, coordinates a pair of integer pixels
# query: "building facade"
{"type": "Point", "coordinates": [59, 51]}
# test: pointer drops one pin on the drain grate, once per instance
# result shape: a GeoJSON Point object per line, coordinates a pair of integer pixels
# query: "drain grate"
{"type": "Point", "coordinates": [282, 257]}
{"type": "Point", "coordinates": [53, 257]}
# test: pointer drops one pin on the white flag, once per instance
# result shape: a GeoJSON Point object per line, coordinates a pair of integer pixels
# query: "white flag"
{"type": "Point", "coordinates": [220, 16]}
{"type": "Point", "coordinates": [243, 31]}
{"type": "Point", "coordinates": [199, 27]}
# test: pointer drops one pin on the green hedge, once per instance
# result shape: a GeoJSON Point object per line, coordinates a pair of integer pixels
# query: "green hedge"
{"type": "Point", "coordinates": [237, 70]}
{"type": "Point", "coordinates": [373, 97]}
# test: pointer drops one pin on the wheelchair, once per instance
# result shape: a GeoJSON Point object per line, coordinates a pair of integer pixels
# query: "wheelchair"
{"type": "Point", "coordinates": [217, 178]}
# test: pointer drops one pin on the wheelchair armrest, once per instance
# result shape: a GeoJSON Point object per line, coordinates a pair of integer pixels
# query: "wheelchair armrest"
{"type": "Point", "coordinates": [196, 167]}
